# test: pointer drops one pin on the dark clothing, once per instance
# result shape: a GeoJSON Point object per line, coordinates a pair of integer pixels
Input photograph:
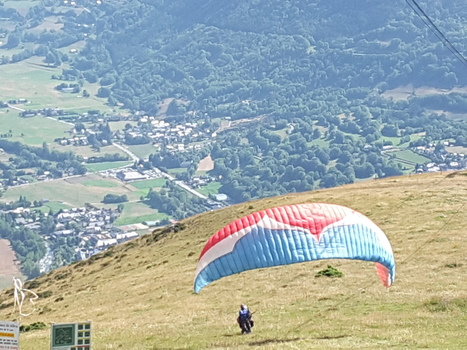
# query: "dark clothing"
{"type": "Point", "coordinates": [244, 314]}
{"type": "Point", "coordinates": [244, 321]}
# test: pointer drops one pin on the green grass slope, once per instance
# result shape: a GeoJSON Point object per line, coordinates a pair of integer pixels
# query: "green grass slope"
{"type": "Point", "coordinates": [139, 295]}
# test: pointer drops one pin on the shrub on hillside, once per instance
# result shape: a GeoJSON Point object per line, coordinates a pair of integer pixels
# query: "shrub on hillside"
{"type": "Point", "coordinates": [330, 271]}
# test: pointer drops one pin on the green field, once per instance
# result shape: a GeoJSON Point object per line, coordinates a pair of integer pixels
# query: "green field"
{"type": "Point", "coordinates": [200, 172]}
{"type": "Point", "coordinates": [147, 184]}
{"type": "Point", "coordinates": [87, 151]}
{"type": "Point", "coordinates": [74, 192]}
{"type": "Point", "coordinates": [175, 171]}
{"type": "Point", "coordinates": [121, 124]}
{"type": "Point", "coordinates": [143, 151]}
{"type": "Point", "coordinates": [321, 142]}
{"type": "Point", "coordinates": [90, 188]}
{"type": "Point", "coordinates": [210, 188]}
{"type": "Point", "coordinates": [282, 133]}
{"type": "Point", "coordinates": [31, 131]}
{"type": "Point", "coordinates": [95, 167]}
{"type": "Point", "coordinates": [395, 141]}
{"type": "Point", "coordinates": [31, 79]}
{"type": "Point", "coordinates": [100, 183]}
{"type": "Point", "coordinates": [136, 213]}
{"type": "Point", "coordinates": [411, 156]}
{"type": "Point", "coordinates": [54, 206]}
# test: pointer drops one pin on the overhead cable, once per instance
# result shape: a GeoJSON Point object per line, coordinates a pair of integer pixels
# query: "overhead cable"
{"type": "Point", "coordinates": [439, 34]}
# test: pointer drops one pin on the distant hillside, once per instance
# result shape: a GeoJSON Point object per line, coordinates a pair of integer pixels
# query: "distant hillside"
{"type": "Point", "coordinates": [214, 52]}
{"type": "Point", "coordinates": [140, 295]}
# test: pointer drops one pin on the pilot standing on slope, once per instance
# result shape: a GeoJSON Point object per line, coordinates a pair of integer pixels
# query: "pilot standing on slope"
{"type": "Point", "coordinates": [244, 319]}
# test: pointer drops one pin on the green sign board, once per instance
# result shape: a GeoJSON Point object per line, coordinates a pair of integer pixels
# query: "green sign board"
{"type": "Point", "coordinates": [71, 336]}
{"type": "Point", "coordinates": [63, 335]}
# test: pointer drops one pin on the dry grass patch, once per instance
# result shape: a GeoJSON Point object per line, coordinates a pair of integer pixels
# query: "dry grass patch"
{"type": "Point", "coordinates": [140, 295]}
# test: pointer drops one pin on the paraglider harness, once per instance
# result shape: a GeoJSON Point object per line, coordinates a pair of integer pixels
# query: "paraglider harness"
{"type": "Point", "coordinates": [245, 321]}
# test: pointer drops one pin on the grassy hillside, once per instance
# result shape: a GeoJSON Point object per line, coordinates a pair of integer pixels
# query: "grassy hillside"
{"type": "Point", "coordinates": [139, 295]}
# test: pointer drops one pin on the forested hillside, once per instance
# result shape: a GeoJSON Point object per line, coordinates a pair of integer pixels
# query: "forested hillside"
{"type": "Point", "coordinates": [296, 95]}
{"type": "Point", "coordinates": [273, 53]}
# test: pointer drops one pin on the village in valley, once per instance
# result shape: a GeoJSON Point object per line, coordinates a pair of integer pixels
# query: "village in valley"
{"type": "Point", "coordinates": [92, 228]}
{"type": "Point", "coordinates": [89, 228]}
{"type": "Point", "coordinates": [86, 130]}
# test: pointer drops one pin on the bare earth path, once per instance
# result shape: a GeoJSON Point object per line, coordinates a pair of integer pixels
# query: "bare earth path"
{"type": "Point", "coordinates": [8, 264]}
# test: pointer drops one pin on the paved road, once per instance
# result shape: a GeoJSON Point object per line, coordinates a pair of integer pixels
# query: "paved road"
{"type": "Point", "coordinates": [14, 107]}
{"type": "Point", "coordinates": [60, 121]}
{"type": "Point", "coordinates": [127, 151]}
{"type": "Point", "coordinates": [135, 158]}
{"type": "Point", "coordinates": [167, 176]}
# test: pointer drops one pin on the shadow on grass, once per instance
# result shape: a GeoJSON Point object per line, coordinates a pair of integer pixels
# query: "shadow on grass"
{"type": "Point", "coordinates": [273, 341]}
{"type": "Point", "coordinates": [324, 337]}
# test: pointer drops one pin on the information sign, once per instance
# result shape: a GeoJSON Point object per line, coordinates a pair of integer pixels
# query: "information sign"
{"type": "Point", "coordinates": [9, 335]}
{"type": "Point", "coordinates": [71, 336]}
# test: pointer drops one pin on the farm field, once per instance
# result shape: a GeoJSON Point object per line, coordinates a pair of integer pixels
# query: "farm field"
{"type": "Point", "coordinates": [99, 183]}
{"type": "Point", "coordinates": [405, 92]}
{"type": "Point", "coordinates": [87, 151]}
{"type": "Point", "coordinates": [395, 141]}
{"type": "Point", "coordinates": [138, 212]}
{"type": "Point", "coordinates": [73, 191]}
{"type": "Point", "coordinates": [321, 142]}
{"type": "Point", "coordinates": [147, 184]}
{"type": "Point", "coordinates": [142, 151]}
{"type": "Point", "coordinates": [91, 188]}
{"type": "Point", "coordinates": [31, 131]}
{"type": "Point", "coordinates": [54, 206]}
{"type": "Point", "coordinates": [210, 188]}
{"type": "Point", "coordinates": [175, 171]}
{"type": "Point", "coordinates": [95, 167]}
{"type": "Point", "coordinates": [410, 156]}
{"type": "Point", "coordinates": [31, 80]}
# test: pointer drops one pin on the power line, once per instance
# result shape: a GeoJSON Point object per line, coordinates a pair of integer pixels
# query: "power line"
{"type": "Point", "coordinates": [439, 34]}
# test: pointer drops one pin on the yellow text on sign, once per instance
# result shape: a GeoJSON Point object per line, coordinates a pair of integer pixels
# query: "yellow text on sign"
{"type": "Point", "coordinates": [10, 335]}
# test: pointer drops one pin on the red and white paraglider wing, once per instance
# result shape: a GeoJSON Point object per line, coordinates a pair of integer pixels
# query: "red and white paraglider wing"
{"type": "Point", "coordinates": [293, 234]}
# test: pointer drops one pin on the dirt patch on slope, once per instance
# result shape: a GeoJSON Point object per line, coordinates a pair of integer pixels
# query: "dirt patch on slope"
{"type": "Point", "coordinates": [206, 164]}
{"type": "Point", "coordinates": [9, 265]}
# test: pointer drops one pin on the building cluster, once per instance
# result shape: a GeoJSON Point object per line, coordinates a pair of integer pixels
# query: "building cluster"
{"type": "Point", "coordinates": [176, 137]}
{"type": "Point", "coordinates": [130, 174]}
{"type": "Point", "coordinates": [199, 181]}
{"type": "Point", "coordinates": [74, 141]}
{"type": "Point", "coordinates": [442, 160]}
{"type": "Point", "coordinates": [92, 226]}
{"type": "Point", "coordinates": [18, 101]}
{"type": "Point", "coordinates": [46, 112]}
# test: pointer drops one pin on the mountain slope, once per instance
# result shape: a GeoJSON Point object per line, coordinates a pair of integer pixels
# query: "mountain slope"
{"type": "Point", "coordinates": [214, 53]}
{"type": "Point", "coordinates": [139, 295]}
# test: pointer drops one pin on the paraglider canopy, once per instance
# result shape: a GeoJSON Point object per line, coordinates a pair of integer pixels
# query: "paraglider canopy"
{"type": "Point", "coordinates": [293, 234]}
